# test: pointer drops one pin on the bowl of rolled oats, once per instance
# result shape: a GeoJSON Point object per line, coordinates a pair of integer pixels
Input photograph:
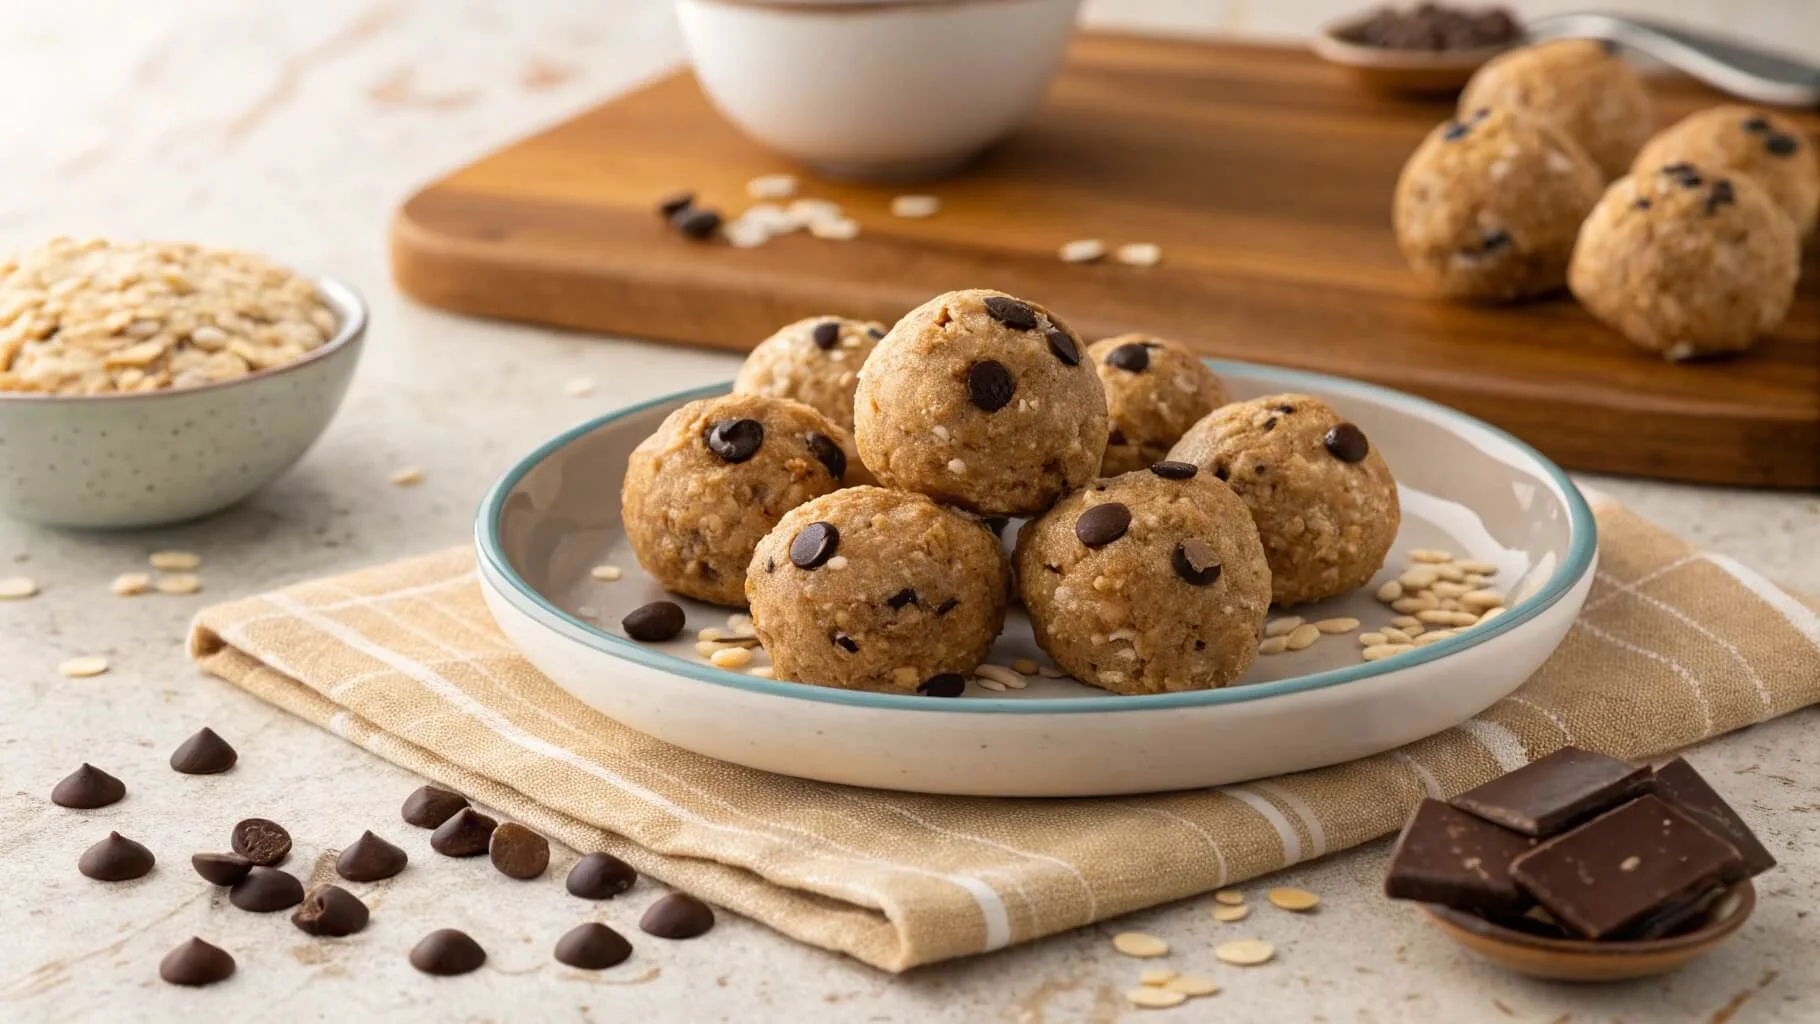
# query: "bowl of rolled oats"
{"type": "Point", "coordinates": [153, 382]}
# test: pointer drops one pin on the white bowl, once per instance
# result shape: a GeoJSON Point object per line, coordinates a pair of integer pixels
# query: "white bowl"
{"type": "Point", "coordinates": [877, 88]}
{"type": "Point", "coordinates": [1466, 487]}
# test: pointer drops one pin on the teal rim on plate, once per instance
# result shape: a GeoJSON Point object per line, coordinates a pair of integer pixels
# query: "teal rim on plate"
{"type": "Point", "coordinates": [1572, 568]}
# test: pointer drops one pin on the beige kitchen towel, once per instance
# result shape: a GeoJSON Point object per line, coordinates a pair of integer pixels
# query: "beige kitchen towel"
{"type": "Point", "coordinates": [1674, 646]}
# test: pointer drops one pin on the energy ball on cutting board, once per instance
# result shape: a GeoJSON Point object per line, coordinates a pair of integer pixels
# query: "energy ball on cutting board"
{"type": "Point", "coordinates": [1488, 206]}
{"type": "Point", "coordinates": [1583, 86]}
{"type": "Point", "coordinates": [815, 361]}
{"type": "Point", "coordinates": [1155, 391]}
{"type": "Point", "coordinates": [983, 401]}
{"type": "Point", "coordinates": [869, 589]}
{"type": "Point", "coordinates": [1749, 141]}
{"type": "Point", "coordinates": [1324, 502]}
{"type": "Point", "coordinates": [1687, 263]}
{"type": "Point", "coordinates": [1150, 582]}
{"type": "Point", "coordinates": [716, 477]}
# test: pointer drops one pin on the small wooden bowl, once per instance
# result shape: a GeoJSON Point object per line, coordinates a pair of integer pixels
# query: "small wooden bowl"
{"type": "Point", "coordinates": [1585, 960]}
{"type": "Point", "coordinates": [1402, 72]}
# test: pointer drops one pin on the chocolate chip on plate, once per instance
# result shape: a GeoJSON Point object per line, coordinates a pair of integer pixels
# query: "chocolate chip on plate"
{"type": "Point", "coordinates": [1557, 792]}
{"type": "Point", "coordinates": [900, 599]}
{"type": "Point", "coordinates": [600, 876]}
{"type": "Point", "coordinates": [447, 951]}
{"type": "Point", "coordinates": [675, 203]}
{"type": "Point", "coordinates": [261, 841]}
{"type": "Point", "coordinates": [204, 754]}
{"type": "Point", "coordinates": [87, 788]}
{"type": "Point", "coordinates": [736, 440]}
{"type": "Point", "coordinates": [221, 868]}
{"type": "Point", "coordinates": [813, 545]}
{"type": "Point", "coordinates": [649, 623]}
{"type": "Point", "coordinates": [265, 890]}
{"type": "Point", "coordinates": [465, 834]}
{"type": "Point", "coordinates": [947, 684]}
{"type": "Point", "coordinates": [370, 859]}
{"type": "Point", "coordinates": [430, 806]}
{"type": "Point", "coordinates": [592, 947]}
{"type": "Point", "coordinates": [828, 453]}
{"type": "Point", "coordinates": [990, 386]}
{"type": "Point", "coordinates": [1175, 470]}
{"type": "Point", "coordinates": [1064, 347]}
{"type": "Point", "coordinates": [826, 334]}
{"type": "Point", "coordinates": [1102, 524]}
{"type": "Point", "coordinates": [1346, 443]}
{"type": "Point", "coordinates": [519, 852]}
{"type": "Point", "coordinates": [677, 916]}
{"type": "Point", "coordinates": [1010, 312]}
{"type": "Point", "coordinates": [1132, 358]}
{"type": "Point", "coordinates": [1781, 145]}
{"type": "Point", "coordinates": [116, 859]}
{"type": "Point", "coordinates": [696, 223]}
{"type": "Point", "coordinates": [1195, 562]}
{"type": "Point", "coordinates": [196, 963]}
{"type": "Point", "coordinates": [330, 910]}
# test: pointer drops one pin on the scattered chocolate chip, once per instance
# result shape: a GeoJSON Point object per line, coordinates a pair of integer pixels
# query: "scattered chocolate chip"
{"type": "Point", "coordinates": [87, 788]}
{"type": "Point", "coordinates": [261, 841]}
{"type": "Point", "coordinates": [221, 868]}
{"type": "Point", "coordinates": [196, 963]}
{"type": "Point", "coordinates": [447, 952]}
{"type": "Point", "coordinates": [947, 606]}
{"type": "Point", "coordinates": [677, 916]}
{"type": "Point", "coordinates": [648, 623]}
{"type": "Point", "coordinates": [600, 876]}
{"type": "Point", "coordinates": [116, 859]}
{"type": "Point", "coordinates": [464, 835]}
{"type": "Point", "coordinates": [265, 890]}
{"type": "Point", "coordinates": [1781, 145]}
{"type": "Point", "coordinates": [1115, 436]}
{"type": "Point", "coordinates": [370, 859]}
{"type": "Point", "coordinates": [1195, 562]}
{"type": "Point", "coordinates": [901, 598]}
{"type": "Point", "coordinates": [675, 204]}
{"type": "Point", "coordinates": [1102, 524]}
{"type": "Point", "coordinates": [736, 440]}
{"type": "Point", "coordinates": [330, 911]}
{"type": "Point", "coordinates": [1684, 174]}
{"type": "Point", "coordinates": [876, 332]}
{"type": "Point", "coordinates": [1495, 240]}
{"type": "Point", "coordinates": [990, 386]}
{"type": "Point", "coordinates": [845, 643]}
{"type": "Point", "coordinates": [1722, 194]}
{"type": "Point", "coordinates": [813, 545]}
{"type": "Point", "coordinates": [696, 223]}
{"type": "Point", "coordinates": [1346, 443]}
{"type": "Point", "coordinates": [947, 684]}
{"type": "Point", "coordinates": [1756, 123]}
{"type": "Point", "coordinates": [828, 453]}
{"type": "Point", "coordinates": [1063, 347]}
{"type": "Point", "coordinates": [204, 754]}
{"type": "Point", "coordinates": [1010, 312]}
{"type": "Point", "coordinates": [519, 852]}
{"type": "Point", "coordinates": [592, 947]}
{"type": "Point", "coordinates": [1132, 358]}
{"type": "Point", "coordinates": [430, 806]}
{"type": "Point", "coordinates": [826, 334]}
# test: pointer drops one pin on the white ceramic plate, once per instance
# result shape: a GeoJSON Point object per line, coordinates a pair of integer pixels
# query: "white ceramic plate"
{"type": "Point", "coordinates": [1466, 487]}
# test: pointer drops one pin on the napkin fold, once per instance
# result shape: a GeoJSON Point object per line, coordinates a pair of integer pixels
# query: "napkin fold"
{"type": "Point", "coordinates": [1674, 646]}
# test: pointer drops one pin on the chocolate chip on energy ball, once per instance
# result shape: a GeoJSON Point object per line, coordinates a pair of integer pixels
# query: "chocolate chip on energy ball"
{"type": "Point", "coordinates": [592, 947]}
{"type": "Point", "coordinates": [876, 332]}
{"type": "Point", "coordinates": [900, 599]}
{"type": "Point", "coordinates": [1195, 562]}
{"type": "Point", "coordinates": [696, 223]}
{"type": "Point", "coordinates": [1064, 347]}
{"type": "Point", "coordinates": [1115, 436]}
{"type": "Point", "coordinates": [947, 684]}
{"type": "Point", "coordinates": [1132, 358]}
{"type": "Point", "coordinates": [87, 788]}
{"type": "Point", "coordinates": [1175, 470]}
{"type": "Point", "coordinates": [1722, 194]}
{"type": "Point", "coordinates": [1346, 443]}
{"type": "Point", "coordinates": [675, 203]}
{"type": "Point", "coordinates": [1102, 524]}
{"type": "Point", "coordinates": [370, 859]}
{"type": "Point", "coordinates": [116, 859]}
{"type": "Point", "coordinates": [196, 963]}
{"type": "Point", "coordinates": [466, 834]}
{"type": "Point", "coordinates": [828, 453]}
{"type": "Point", "coordinates": [1010, 312]}
{"type": "Point", "coordinates": [845, 642]}
{"type": "Point", "coordinates": [330, 910]}
{"type": "Point", "coordinates": [447, 951]}
{"type": "Point", "coordinates": [947, 606]}
{"type": "Point", "coordinates": [204, 754]}
{"type": "Point", "coordinates": [813, 545]}
{"type": "Point", "coordinates": [990, 386]}
{"type": "Point", "coordinates": [678, 916]}
{"type": "Point", "coordinates": [261, 841]}
{"type": "Point", "coordinates": [519, 852]}
{"type": "Point", "coordinates": [265, 890]}
{"type": "Point", "coordinates": [600, 876]}
{"type": "Point", "coordinates": [1756, 123]}
{"type": "Point", "coordinates": [430, 806]}
{"type": "Point", "coordinates": [826, 334]}
{"type": "Point", "coordinates": [221, 868]}
{"type": "Point", "coordinates": [1781, 145]}
{"type": "Point", "coordinates": [649, 623]}
{"type": "Point", "coordinates": [736, 440]}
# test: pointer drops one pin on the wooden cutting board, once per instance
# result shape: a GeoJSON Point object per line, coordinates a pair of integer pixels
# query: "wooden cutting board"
{"type": "Point", "coordinates": [1265, 177]}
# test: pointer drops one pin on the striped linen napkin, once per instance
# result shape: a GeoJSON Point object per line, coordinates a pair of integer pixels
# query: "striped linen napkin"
{"type": "Point", "coordinates": [1674, 646]}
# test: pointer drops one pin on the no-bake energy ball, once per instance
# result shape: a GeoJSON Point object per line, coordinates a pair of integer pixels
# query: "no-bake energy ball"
{"type": "Point", "coordinates": [716, 477]}
{"type": "Point", "coordinates": [815, 361]}
{"type": "Point", "coordinates": [1583, 86]}
{"type": "Point", "coordinates": [1488, 206]}
{"type": "Point", "coordinates": [1324, 502]}
{"type": "Point", "coordinates": [983, 401]}
{"type": "Point", "coordinates": [1155, 391]}
{"type": "Point", "coordinates": [1150, 582]}
{"type": "Point", "coordinates": [1686, 263]}
{"type": "Point", "coordinates": [1749, 141]}
{"type": "Point", "coordinates": [869, 589]}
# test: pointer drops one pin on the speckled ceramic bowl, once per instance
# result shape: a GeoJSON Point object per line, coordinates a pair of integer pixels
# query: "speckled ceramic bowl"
{"type": "Point", "coordinates": [121, 461]}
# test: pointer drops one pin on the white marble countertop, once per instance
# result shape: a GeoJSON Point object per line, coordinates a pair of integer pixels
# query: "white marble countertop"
{"type": "Point", "coordinates": [294, 129]}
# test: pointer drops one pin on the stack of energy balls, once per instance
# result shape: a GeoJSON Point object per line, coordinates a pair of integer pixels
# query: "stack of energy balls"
{"type": "Point", "coordinates": [1693, 249]}
{"type": "Point", "coordinates": [1162, 519]}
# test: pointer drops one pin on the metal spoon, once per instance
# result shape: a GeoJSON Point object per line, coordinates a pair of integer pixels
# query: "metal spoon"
{"type": "Point", "coordinates": [1733, 67]}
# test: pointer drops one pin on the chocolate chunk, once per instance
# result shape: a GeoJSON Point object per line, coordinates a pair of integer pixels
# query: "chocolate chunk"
{"type": "Point", "coordinates": [1132, 358]}
{"type": "Point", "coordinates": [1449, 857]}
{"type": "Point", "coordinates": [1063, 347]}
{"type": "Point", "coordinates": [87, 788]}
{"type": "Point", "coordinates": [677, 916]}
{"type": "Point", "coordinates": [845, 642]}
{"type": "Point", "coordinates": [600, 876]}
{"type": "Point", "coordinates": [947, 684]}
{"type": "Point", "coordinates": [1555, 793]}
{"type": "Point", "coordinates": [828, 453]}
{"type": "Point", "coordinates": [519, 852]}
{"type": "Point", "coordinates": [1195, 562]}
{"type": "Point", "coordinates": [446, 952]}
{"type": "Point", "coordinates": [1346, 443]}
{"type": "Point", "coordinates": [370, 859]}
{"type": "Point", "coordinates": [1626, 868]}
{"type": "Point", "coordinates": [116, 859]}
{"type": "Point", "coordinates": [813, 545]}
{"type": "Point", "coordinates": [648, 623]}
{"type": "Point", "coordinates": [466, 834]}
{"type": "Point", "coordinates": [1175, 470]}
{"type": "Point", "coordinates": [261, 841]}
{"type": "Point", "coordinates": [196, 963]}
{"type": "Point", "coordinates": [592, 947]}
{"type": "Point", "coordinates": [430, 806]}
{"type": "Point", "coordinates": [696, 223]}
{"type": "Point", "coordinates": [221, 868]}
{"type": "Point", "coordinates": [1781, 145]}
{"type": "Point", "coordinates": [204, 754]}
{"type": "Point", "coordinates": [1010, 312]}
{"type": "Point", "coordinates": [826, 334]}
{"type": "Point", "coordinates": [990, 386]}
{"type": "Point", "coordinates": [1678, 783]}
{"type": "Point", "coordinates": [1756, 123]}
{"type": "Point", "coordinates": [947, 606]}
{"type": "Point", "coordinates": [903, 597]}
{"type": "Point", "coordinates": [675, 203]}
{"type": "Point", "coordinates": [265, 890]}
{"type": "Point", "coordinates": [736, 440]}
{"type": "Point", "coordinates": [331, 911]}
{"type": "Point", "coordinates": [1102, 524]}
{"type": "Point", "coordinates": [1722, 194]}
